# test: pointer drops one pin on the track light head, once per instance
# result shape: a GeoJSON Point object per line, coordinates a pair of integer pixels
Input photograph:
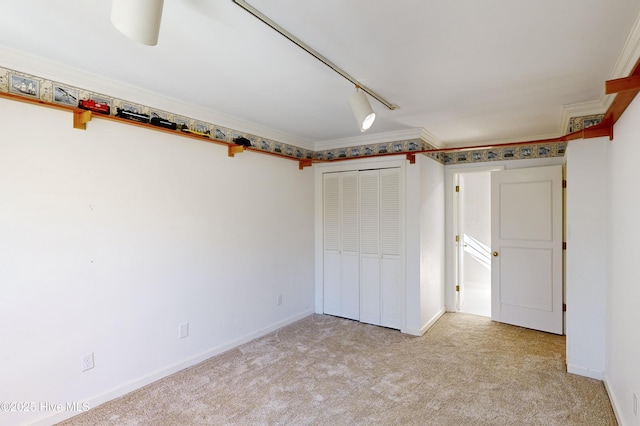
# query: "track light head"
{"type": "Point", "coordinates": [362, 110]}
{"type": "Point", "coordinates": [138, 19]}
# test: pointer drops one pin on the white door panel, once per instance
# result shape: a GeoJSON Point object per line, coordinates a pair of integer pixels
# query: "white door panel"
{"type": "Point", "coordinates": [341, 261]}
{"type": "Point", "coordinates": [391, 315]}
{"type": "Point", "coordinates": [370, 285]}
{"type": "Point", "coordinates": [527, 248]}
{"type": "Point", "coordinates": [530, 200]}
{"type": "Point", "coordinates": [332, 273]}
{"type": "Point", "coordinates": [390, 227]}
{"type": "Point", "coordinates": [530, 270]}
{"type": "Point", "coordinates": [350, 288]}
{"type": "Point", "coordinates": [370, 246]}
{"type": "Point", "coordinates": [380, 247]}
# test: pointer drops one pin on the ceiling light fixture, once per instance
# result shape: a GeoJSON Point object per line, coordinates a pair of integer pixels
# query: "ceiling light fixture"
{"type": "Point", "coordinates": [138, 19]}
{"type": "Point", "coordinates": [362, 109]}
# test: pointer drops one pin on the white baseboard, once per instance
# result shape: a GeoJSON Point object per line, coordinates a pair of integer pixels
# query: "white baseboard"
{"type": "Point", "coordinates": [428, 325]}
{"type": "Point", "coordinates": [612, 399]}
{"type": "Point", "coordinates": [432, 321]}
{"type": "Point", "coordinates": [584, 371]}
{"type": "Point", "coordinates": [160, 374]}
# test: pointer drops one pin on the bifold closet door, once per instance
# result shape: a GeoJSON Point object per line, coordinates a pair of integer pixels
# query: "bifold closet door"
{"type": "Point", "coordinates": [370, 247]}
{"type": "Point", "coordinates": [380, 247]}
{"type": "Point", "coordinates": [341, 252]}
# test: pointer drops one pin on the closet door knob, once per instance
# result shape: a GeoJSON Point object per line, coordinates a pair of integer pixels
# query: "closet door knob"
{"type": "Point", "coordinates": [495, 254]}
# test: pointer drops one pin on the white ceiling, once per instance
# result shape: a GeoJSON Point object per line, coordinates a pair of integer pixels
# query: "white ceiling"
{"type": "Point", "coordinates": [465, 71]}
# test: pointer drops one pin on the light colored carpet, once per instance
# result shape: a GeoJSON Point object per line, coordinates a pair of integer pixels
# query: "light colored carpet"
{"type": "Point", "coordinates": [466, 370]}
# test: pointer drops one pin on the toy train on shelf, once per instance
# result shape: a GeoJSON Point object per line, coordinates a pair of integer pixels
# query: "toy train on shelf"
{"type": "Point", "coordinates": [156, 120]}
{"type": "Point", "coordinates": [132, 115]}
{"type": "Point", "coordinates": [92, 105]}
{"type": "Point", "coordinates": [104, 108]}
{"type": "Point", "coordinates": [185, 129]}
{"type": "Point", "coordinates": [161, 122]}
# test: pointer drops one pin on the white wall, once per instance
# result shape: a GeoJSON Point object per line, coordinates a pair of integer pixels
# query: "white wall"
{"type": "Point", "coordinates": [112, 237]}
{"type": "Point", "coordinates": [432, 255]}
{"type": "Point", "coordinates": [585, 268]}
{"type": "Point", "coordinates": [622, 370]}
{"type": "Point", "coordinates": [425, 244]}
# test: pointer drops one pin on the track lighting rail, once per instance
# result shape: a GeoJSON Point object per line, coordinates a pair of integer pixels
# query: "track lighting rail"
{"type": "Point", "coordinates": [268, 21]}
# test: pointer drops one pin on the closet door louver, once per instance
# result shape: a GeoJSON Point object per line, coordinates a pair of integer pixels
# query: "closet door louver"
{"type": "Point", "coordinates": [331, 212]}
{"type": "Point", "coordinates": [390, 211]}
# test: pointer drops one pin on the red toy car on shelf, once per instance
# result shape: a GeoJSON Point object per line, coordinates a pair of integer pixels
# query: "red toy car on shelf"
{"type": "Point", "coordinates": [92, 105]}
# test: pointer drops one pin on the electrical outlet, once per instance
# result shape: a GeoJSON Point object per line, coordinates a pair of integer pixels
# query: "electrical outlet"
{"type": "Point", "coordinates": [183, 330]}
{"type": "Point", "coordinates": [86, 362]}
{"type": "Point", "coordinates": [279, 300]}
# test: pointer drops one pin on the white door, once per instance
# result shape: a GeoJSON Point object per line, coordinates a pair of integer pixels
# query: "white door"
{"type": "Point", "coordinates": [331, 242]}
{"type": "Point", "coordinates": [340, 237]}
{"type": "Point", "coordinates": [526, 228]}
{"type": "Point", "coordinates": [390, 241]}
{"type": "Point", "coordinates": [380, 240]}
{"type": "Point", "coordinates": [370, 247]}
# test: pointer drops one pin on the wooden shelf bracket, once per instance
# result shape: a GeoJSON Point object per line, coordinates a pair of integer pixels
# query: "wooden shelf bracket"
{"type": "Point", "coordinates": [80, 119]}
{"type": "Point", "coordinates": [304, 163]}
{"type": "Point", "coordinates": [411, 158]}
{"type": "Point", "coordinates": [235, 149]}
{"type": "Point", "coordinates": [626, 84]}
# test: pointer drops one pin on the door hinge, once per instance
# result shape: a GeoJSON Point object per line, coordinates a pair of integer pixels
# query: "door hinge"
{"type": "Point", "coordinates": [457, 238]}
{"type": "Point", "coordinates": [457, 288]}
{"type": "Point", "coordinates": [564, 183]}
{"type": "Point", "coordinates": [564, 307]}
{"type": "Point", "coordinates": [564, 245]}
{"type": "Point", "coordinates": [457, 188]}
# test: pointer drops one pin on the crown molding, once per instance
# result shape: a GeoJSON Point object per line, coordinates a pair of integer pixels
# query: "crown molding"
{"type": "Point", "coordinates": [431, 139]}
{"type": "Point", "coordinates": [627, 60]}
{"type": "Point", "coordinates": [370, 139]}
{"type": "Point", "coordinates": [629, 54]}
{"type": "Point", "coordinates": [71, 76]}
{"type": "Point", "coordinates": [583, 109]}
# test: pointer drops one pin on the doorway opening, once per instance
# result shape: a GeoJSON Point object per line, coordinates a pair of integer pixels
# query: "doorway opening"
{"type": "Point", "coordinates": [472, 220]}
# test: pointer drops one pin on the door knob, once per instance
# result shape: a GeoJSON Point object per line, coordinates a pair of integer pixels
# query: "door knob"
{"type": "Point", "coordinates": [495, 254]}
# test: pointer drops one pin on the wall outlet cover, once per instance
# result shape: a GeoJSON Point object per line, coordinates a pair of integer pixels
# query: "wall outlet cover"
{"type": "Point", "coordinates": [183, 330]}
{"type": "Point", "coordinates": [87, 362]}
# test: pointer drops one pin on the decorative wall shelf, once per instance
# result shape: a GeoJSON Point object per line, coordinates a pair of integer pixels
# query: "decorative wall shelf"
{"type": "Point", "coordinates": [82, 116]}
{"type": "Point", "coordinates": [38, 91]}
